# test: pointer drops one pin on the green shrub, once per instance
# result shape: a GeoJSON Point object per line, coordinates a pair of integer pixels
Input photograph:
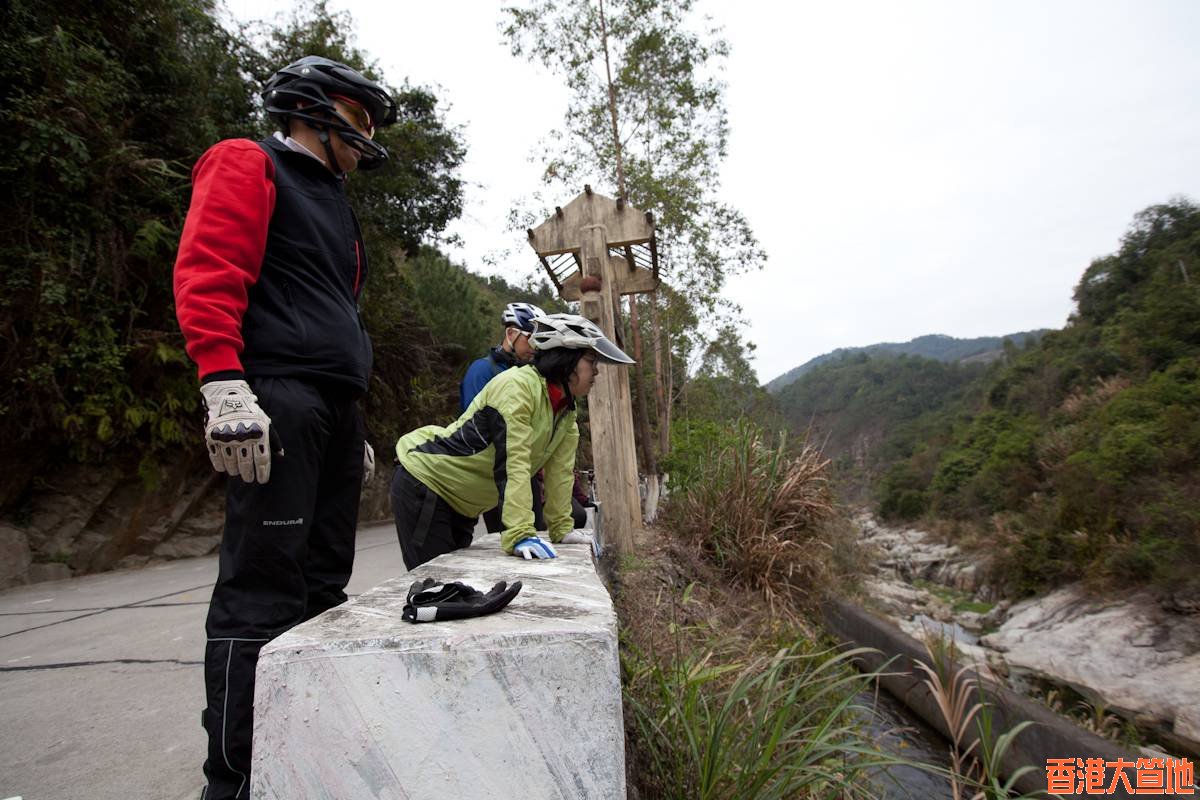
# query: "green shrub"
{"type": "Point", "coordinates": [911, 504]}
{"type": "Point", "coordinates": [902, 493]}
{"type": "Point", "coordinates": [694, 443]}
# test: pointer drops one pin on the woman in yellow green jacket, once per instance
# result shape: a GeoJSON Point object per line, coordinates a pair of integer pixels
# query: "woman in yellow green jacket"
{"type": "Point", "coordinates": [521, 422]}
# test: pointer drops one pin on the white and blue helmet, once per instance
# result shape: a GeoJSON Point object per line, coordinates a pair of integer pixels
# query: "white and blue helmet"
{"type": "Point", "coordinates": [521, 315]}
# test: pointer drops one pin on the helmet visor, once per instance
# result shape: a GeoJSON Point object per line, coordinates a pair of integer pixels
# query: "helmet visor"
{"type": "Point", "coordinates": [610, 353]}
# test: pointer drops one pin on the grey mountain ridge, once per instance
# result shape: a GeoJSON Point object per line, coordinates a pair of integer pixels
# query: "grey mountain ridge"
{"type": "Point", "coordinates": [935, 345]}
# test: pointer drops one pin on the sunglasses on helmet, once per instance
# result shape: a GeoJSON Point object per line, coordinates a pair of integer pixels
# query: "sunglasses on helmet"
{"type": "Point", "coordinates": [358, 116]}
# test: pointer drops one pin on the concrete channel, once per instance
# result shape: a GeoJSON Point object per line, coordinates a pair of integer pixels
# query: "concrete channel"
{"type": "Point", "coordinates": [896, 653]}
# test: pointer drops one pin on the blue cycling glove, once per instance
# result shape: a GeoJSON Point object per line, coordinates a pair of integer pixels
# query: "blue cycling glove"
{"type": "Point", "coordinates": [534, 547]}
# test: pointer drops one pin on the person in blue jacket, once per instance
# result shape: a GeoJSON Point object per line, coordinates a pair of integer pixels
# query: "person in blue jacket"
{"type": "Point", "coordinates": [513, 351]}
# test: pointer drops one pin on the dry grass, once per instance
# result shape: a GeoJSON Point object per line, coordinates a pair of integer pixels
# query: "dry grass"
{"type": "Point", "coordinates": [1083, 398]}
{"type": "Point", "coordinates": [726, 699]}
{"type": "Point", "coordinates": [673, 600]}
{"type": "Point", "coordinates": [765, 515]}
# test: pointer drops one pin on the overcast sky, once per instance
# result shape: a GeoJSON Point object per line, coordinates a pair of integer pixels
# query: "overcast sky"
{"type": "Point", "coordinates": [909, 168]}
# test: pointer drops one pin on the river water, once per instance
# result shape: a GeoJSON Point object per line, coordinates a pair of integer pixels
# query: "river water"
{"type": "Point", "coordinates": [897, 732]}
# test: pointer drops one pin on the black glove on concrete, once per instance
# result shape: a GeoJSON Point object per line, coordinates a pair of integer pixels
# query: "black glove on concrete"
{"type": "Point", "coordinates": [430, 601]}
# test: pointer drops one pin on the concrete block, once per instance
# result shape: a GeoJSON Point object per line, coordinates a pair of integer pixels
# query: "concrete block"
{"type": "Point", "coordinates": [525, 703]}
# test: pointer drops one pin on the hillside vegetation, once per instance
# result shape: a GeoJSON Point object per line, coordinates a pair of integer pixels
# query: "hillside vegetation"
{"type": "Point", "coordinates": [1076, 457]}
{"type": "Point", "coordinates": [865, 409]}
{"type": "Point", "coordinates": [935, 346]}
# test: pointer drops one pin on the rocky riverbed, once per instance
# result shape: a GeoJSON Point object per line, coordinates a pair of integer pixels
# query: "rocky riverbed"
{"type": "Point", "coordinates": [1136, 656]}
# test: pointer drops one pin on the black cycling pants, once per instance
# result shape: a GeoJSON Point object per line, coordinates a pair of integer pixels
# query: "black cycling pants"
{"type": "Point", "coordinates": [286, 556]}
{"type": "Point", "coordinates": [426, 525]}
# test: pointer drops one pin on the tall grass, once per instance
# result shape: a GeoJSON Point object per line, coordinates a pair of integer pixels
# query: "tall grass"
{"type": "Point", "coordinates": [783, 725]}
{"type": "Point", "coordinates": [976, 749]}
{"type": "Point", "coordinates": [763, 513]}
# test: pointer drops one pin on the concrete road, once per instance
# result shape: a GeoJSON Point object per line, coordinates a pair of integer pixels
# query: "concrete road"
{"type": "Point", "coordinates": [101, 680]}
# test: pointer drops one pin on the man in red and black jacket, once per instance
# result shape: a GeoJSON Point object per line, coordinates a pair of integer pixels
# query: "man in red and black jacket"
{"type": "Point", "coordinates": [270, 268]}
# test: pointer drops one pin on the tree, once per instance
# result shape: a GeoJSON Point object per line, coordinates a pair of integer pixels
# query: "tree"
{"type": "Point", "coordinates": [647, 118]}
{"type": "Point", "coordinates": [108, 107]}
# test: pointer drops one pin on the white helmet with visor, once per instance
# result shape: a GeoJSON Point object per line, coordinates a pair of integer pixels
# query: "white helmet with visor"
{"type": "Point", "coordinates": [575, 333]}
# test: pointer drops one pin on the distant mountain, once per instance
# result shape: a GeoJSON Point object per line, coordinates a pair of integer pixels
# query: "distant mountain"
{"type": "Point", "coordinates": [936, 346]}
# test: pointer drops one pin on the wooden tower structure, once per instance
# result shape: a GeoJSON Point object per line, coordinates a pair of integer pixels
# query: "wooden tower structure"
{"type": "Point", "coordinates": [594, 235]}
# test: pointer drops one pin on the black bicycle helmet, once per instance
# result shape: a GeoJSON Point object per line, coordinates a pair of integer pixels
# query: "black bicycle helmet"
{"type": "Point", "coordinates": [307, 89]}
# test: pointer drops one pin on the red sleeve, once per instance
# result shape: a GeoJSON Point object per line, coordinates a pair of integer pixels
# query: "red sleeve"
{"type": "Point", "coordinates": [221, 250]}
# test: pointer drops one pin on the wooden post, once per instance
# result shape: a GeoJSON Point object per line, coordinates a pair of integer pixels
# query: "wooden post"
{"type": "Point", "coordinates": [609, 406]}
{"type": "Point", "coordinates": [576, 242]}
